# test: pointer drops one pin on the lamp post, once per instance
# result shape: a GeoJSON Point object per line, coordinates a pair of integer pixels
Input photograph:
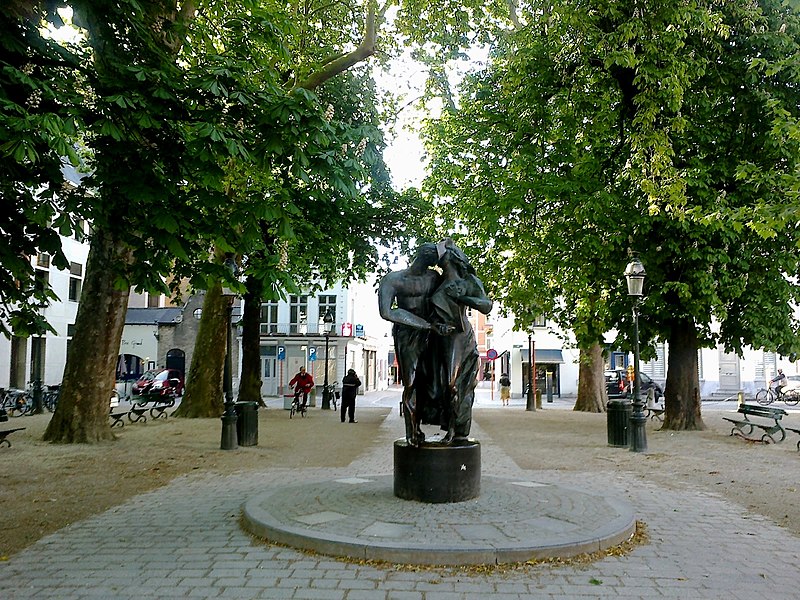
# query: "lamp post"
{"type": "Point", "coordinates": [326, 398]}
{"type": "Point", "coordinates": [37, 377]}
{"type": "Point", "coordinates": [530, 401]}
{"type": "Point", "coordinates": [229, 437]}
{"type": "Point", "coordinates": [634, 273]}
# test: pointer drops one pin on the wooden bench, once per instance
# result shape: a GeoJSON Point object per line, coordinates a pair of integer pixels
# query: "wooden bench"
{"type": "Point", "coordinates": [117, 418]}
{"type": "Point", "coordinates": [137, 413]}
{"type": "Point", "coordinates": [5, 433]}
{"type": "Point", "coordinates": [157, 411]}
{"type": "Point", "coordinates": [744, 427]}
{"type": "Point", "coordinates": [655, 413]}
{"type": "Point", "coordinates": [797, 431]}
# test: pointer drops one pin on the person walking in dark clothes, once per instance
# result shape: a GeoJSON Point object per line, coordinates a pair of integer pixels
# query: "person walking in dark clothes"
{"type": "Point", "coordinates": [350, 385]}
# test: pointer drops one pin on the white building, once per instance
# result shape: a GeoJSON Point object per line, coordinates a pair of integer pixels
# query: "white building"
{"type": "Point", "coordinates": [555, 361]}
{"type": "Point", "coordinates": [17, 355]}
{"type": "Point", "coordinates": [722, 374]}
{"type": "Point", "coordinates": [158, 334]}
{"type": "Point", "coordinates": [293, 334]}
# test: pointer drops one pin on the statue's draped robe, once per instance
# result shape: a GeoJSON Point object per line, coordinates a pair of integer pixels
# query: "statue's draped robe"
{"type": "Point", "coordinates": [457, 361]}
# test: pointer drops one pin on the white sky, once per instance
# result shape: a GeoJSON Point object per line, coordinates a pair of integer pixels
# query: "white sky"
{"type": "Point", "coordinates": [404, 154]}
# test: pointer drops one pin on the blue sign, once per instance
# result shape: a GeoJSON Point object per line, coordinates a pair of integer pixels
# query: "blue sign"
{"type": "Point", "coordinates": [359, 330]}
{"type": "Point", "coordinates": [312, 353]}
{"type": "Point", "coordinates": [281, 352]}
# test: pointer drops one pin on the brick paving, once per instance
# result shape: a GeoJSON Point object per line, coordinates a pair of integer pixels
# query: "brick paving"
{"type": "Point", "coordinates": [184, 541]}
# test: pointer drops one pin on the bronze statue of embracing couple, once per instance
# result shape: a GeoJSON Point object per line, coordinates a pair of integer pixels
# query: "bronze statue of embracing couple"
{"type": "Point", "coordinates": [434, 342]}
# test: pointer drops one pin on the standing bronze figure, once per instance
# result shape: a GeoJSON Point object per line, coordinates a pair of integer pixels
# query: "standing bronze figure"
{"type": "Point", "coordinates": [434, 342]}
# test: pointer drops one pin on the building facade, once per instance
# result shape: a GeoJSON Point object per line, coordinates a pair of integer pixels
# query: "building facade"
{"type": "Point", "coordinates": [327, 332]}
{"type": "Point", "coordinates": [20, 357]}
{"type": "Point", "coordinates": [721, 374]}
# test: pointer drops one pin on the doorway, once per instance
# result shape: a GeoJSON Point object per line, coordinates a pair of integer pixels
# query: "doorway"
{"type": "Point", "coordinates": [270, 372]}
{"type": "Point", "coordinates": [728, 372]}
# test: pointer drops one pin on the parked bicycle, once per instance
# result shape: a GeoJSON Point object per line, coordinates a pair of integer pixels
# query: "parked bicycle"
{"type": "Point", "coordinates": [334, 396]}
{"type": "Point", "coordinates": [50, 396]}
{"type": "Point", "coordinates": [767, 396]}
{"type": "Point", "coordinates": [17, 402]}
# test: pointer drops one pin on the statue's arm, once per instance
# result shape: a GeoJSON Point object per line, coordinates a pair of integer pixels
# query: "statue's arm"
{"type": "Point", "coordinates": [481, 303]}
{"type": "Point", "coordinates": [386, 294]}
{"type": "Point", "coordinates": [473, 294]}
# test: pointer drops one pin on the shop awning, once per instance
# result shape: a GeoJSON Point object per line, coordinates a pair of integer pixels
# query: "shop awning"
{"type": "Point", "coordinates": [543, 355]}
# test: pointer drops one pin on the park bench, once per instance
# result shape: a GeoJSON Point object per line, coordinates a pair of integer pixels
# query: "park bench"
{"type": "Point", "coordinates": [158, 410]}
{"type": "Point", "coordinates": [117, 418]}
{"type": "Point", "coordinates": [5, 433]}
{"type": "Point", "coordinates": [744, 427]}
{"type": "Point", "coordinates": [797, 431]}
{"type": "Point", "coordinates": [137, 413]}
{"type": "Point", "coordinates": [654, 411]}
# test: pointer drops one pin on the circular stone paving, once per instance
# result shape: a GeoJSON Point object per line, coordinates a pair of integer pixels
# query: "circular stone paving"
{"type": "Point", "coordinates": [512, 520]}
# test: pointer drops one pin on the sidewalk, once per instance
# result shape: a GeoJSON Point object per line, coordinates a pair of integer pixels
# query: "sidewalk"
{"type": "Point", "coordinates": [184, 541]}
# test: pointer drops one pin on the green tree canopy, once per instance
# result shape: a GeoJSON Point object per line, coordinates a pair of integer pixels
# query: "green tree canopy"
{"type": "Point", "coordinates": [601, 130]}
{"type": "Point", "coordinates": [203, 128]}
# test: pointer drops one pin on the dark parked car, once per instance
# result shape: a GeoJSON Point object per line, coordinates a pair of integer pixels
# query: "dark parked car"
{"type": "Point", "coordinates": [164, 382]}
{"type": "Point", "coordinates": [616, 385]}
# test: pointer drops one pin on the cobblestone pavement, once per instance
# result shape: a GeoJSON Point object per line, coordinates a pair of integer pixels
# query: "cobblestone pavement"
{"type": "Point", "coordinates": [184, 541]}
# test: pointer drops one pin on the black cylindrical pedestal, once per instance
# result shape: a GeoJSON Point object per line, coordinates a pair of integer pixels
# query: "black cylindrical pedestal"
{"type": "Point", "coordinates": [619, 416]}
{"type": "Point", "coordinates": [437, 473]}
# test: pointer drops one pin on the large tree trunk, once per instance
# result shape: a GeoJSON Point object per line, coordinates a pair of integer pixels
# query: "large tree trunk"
{"type": "Point", "coordinates": [250, 379]}
{"type": "Point", "coordinates": [82, 412]}
{"type": "Point", "coordinates": [203, 396]}
{"type": "Point", "coordinates": [682, 395]}
{"type": "Point", "coordinates": [591, 381]}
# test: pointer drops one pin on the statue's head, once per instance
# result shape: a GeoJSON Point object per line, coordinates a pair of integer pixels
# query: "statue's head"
{"type": "Point", "coordinates": [427, 255]}
{"type": "Point", "coordinates": [452, 256]}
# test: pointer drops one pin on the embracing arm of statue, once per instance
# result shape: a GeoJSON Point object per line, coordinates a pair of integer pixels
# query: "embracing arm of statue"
{"type": "Point", "coordinates": [469, 291]}
{"type": "Point", "coordinates": [387, 292]}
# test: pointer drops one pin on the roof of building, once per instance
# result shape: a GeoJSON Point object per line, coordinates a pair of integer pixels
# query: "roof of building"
{"type": "Point", "coordinates": [170, 315]}
{"type": "Point", "coordinates": [150, 316]}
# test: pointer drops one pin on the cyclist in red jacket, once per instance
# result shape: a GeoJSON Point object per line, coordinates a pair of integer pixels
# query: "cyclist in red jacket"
{"type": "Point", "coordinates": [302, 382]}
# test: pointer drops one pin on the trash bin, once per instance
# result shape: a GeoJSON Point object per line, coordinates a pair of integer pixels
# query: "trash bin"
{"type": "Point", "coordinates": [619, 418]}
{"type": "Point", "coordinates": [247, 423]}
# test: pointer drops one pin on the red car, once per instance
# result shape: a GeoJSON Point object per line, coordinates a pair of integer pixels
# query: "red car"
{"type": "Point", "coordinates": [164, 382]}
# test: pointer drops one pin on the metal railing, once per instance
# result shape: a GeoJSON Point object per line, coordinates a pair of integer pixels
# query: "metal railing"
{"type": "Point", "coordinates": [284, 329]}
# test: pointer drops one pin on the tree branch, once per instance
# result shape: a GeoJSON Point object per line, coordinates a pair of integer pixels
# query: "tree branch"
{"type": "Point", "coordinates": [342, 63]}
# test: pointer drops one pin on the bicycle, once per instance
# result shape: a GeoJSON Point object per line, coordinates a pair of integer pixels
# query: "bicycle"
{"type": "Point", "coordinates": [17, 402]}
{"type": "Point", "coordinates": [766, 396]}
{"type": "Point", "coordinates": [297, 405]}
{"type": "Point", "coordinates": [334, 395]}
{"type": "Point", "coordinates": [50, 397]}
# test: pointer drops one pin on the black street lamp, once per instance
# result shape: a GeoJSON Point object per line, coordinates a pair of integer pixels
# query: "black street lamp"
{"type": "Point", "coordinates": [530, 400]}
{"type": "Point", "coordinates": [326, 398]}
{"type": "Point", "coordinates": [635, 273]}
{"type": "Point", "coordinates": [229, 436]}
